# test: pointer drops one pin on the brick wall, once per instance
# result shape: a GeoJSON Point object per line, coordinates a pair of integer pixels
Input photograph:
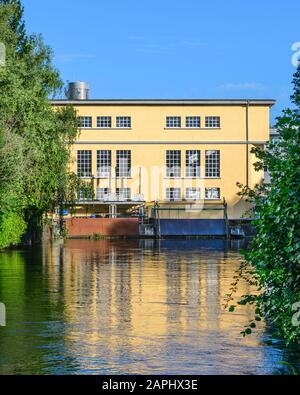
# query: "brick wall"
{"type": "Point", "coordinates": [83, 227]}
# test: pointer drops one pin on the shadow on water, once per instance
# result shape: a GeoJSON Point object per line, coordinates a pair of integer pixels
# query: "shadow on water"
{"type": "Point", "coordinates": [129, 306]}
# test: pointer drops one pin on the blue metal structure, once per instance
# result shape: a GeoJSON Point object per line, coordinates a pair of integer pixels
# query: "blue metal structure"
{"type": "Point", "coordinates": [192, 227]}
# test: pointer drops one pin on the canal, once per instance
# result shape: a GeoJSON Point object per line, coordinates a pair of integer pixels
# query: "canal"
{"type": "Point", "coordinates": [129, 307]}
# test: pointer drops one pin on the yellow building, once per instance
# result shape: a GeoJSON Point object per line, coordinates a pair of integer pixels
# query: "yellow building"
{"type": "Point", "coordinates": [182, 153]}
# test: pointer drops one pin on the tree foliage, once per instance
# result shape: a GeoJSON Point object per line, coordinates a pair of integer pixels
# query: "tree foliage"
{"type": "Point", "coordinates": [35, 140]}
{"type": "Point", "coordinates": [272, 263]}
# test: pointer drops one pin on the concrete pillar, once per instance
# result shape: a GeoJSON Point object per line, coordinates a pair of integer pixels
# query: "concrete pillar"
{"type": "Point", "coordinates": [113, 211]}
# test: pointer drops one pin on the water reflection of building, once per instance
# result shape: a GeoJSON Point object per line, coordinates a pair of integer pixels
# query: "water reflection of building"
{"type": "Point", "coordinates": [125, 307]}
{"type": "Point", "coordinates": [119, 293]}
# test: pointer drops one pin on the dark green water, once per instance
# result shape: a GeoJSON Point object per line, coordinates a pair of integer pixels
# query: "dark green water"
{"type": "Point", "coordinates": [117, 307]}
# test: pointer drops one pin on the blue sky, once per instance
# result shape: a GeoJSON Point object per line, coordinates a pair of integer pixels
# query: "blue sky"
{"type": "Point", "coordinates": [172, 48]}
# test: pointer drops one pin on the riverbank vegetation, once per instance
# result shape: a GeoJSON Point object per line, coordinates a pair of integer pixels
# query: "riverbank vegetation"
{"type": "Point", "coordinates": [35, 141]}
{"type": "Point", "coordinates": [272, 263]}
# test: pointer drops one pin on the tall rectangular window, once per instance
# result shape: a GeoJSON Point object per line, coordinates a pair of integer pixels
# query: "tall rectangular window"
{"type": "Point", "coordinates": [212, 193]}
{"type": "Point", "coordinates": [212, 164]}
{"type": "Point", "coordinates": [212, 122]}
{"type": "Point", "coordinates": [173, 122]}
{"type": "Point", "coordinates": [173, 163]}
{"type": "Point", "coordinates": [192, 122]}
{"type": "Point", "coordinates": [192, 163]}
{"type": "Point", "coordinates": [124, 194]}
{"type": "Point", "coordinates": [103, 122]}
{"type": "Point", "coordinates": [102, 193]}
{"type": "Point", "coordinates": [173, 194]}
{"type": "Point", "coordinates": [104, 163]}
{"type": "Point", "coordinates": [192, 193]}
{"type": "Point", "coordinates": [124, 122]}
{"type": "Point", "coordinates": [84, 163]}
{"type": "Point", "coordinates": [85, 122]}
{"type": "Point", "coordinates": [123, 164]}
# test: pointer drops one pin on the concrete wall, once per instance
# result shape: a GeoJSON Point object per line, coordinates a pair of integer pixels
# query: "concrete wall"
{"type": "Point", "coordinates": [83, 227]}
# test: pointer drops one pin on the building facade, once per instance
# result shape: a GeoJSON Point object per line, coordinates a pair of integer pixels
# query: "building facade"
{"type": "Point", "coordinates": [174, 153]}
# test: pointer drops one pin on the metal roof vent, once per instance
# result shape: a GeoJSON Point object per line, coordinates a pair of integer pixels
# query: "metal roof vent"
{"type": "Point", "coordinates": [78, 91]}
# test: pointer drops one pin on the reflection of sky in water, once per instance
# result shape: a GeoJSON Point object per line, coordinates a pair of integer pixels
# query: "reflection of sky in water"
{"type": "Point", "coordinates": [143, 306]}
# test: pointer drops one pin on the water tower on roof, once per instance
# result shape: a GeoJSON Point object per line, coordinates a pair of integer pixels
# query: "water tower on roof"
{"type": "Point", "coordinates": [78, 91]}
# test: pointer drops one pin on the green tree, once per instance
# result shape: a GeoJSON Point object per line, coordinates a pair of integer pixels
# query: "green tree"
{"type": "Point", "coordinates": [35, 139]}
{"type": "Point", "coordinates": [272, 262]}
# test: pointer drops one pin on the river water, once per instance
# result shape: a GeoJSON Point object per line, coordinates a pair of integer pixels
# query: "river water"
{"type": "Point", "coordinates": [129, 307]}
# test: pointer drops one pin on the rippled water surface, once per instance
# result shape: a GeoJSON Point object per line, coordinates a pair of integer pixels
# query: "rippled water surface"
{"type": "Point", "coordinates": [128, 307]}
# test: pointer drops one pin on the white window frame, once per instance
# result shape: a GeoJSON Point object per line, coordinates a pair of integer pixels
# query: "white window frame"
{"type": "Point", "coordinates": [85, 122]}
{"type": "Point", "coordinates": [104, 122]}
{"type": "Point", "coordinates": [123, 194]}
{"type": "Point", "coordinates": [191, 170]}
{"type": "Point", "coordinates": [171, 192]}
{"type": "Point", "coordinates": [213, 122]}
{"type": "Point", "coordinates": [102, 193]}
{"type": "Point", "coordinates": [173, 122]}
{"type": "Point", "coordinates": [212, 164]}
{"type": "Point", "coordinates": [212, 193]}
{"type": "Point", "coordinates": [104, 163]}
{"type": "Point", "coordinates": [84, 163]}
{"type": "Point", "coordinates": [123, 122]}
{"type": "Point", "coordinates": [123, 168]}
{"type": "Point", "coordinates": [173, 163]}
{"type": "Point", "coordinates": [85, 195]}
{"type": "Point", "coordinates": [193, 122]}
{"type": "Point", "coordinates": [192, 193]}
